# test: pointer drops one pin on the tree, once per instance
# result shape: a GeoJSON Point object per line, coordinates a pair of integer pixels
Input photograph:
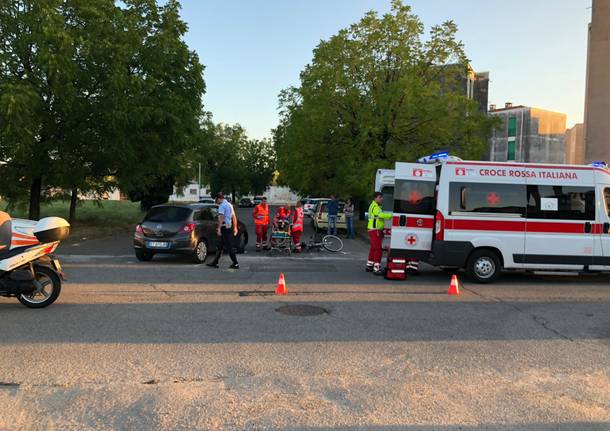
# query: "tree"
{"type": "Point", "coordinates": [93, 95]}
{"type": "Point", "coordinates": [233, 162]}
{"type": "Point", "coordinates": [374, 93]}
{"type": "Point", "coordinates": [36, 76]}
{"type": "Point", "coordinates": [159, 121]}
{"type": "Point", "coordinates": [259, 165]}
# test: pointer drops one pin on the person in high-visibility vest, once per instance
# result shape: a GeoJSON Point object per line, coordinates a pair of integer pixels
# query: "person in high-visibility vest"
{"type": "Point", "coordinates": [376, 223]}
{"type": "Point", "coordinates": [261, 223]}
{"type": "Point", "coordinates": [297, 226]}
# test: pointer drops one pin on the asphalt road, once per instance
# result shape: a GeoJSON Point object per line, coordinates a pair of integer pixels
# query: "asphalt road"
{"type": "Point", "coordinates": [171, 345]}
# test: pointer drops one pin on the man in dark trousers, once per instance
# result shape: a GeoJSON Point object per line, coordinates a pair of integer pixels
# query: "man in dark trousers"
{"type": "Point", "coordinates": [333, 212]}
{"type": "Point", "coordinates": [226, 230]}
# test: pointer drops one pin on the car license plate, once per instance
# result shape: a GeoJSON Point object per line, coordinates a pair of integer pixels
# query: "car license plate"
{"type": "Point", "coordinates": [157, 244]}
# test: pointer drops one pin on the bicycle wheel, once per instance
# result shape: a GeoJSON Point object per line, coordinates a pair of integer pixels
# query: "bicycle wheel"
{"type": "Point", "coordinates": [332, 243]}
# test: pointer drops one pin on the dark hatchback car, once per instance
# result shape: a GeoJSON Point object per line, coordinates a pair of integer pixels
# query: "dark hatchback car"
{"type": "Point", "coordinates": [246, 203]}
{"type": "Point", "coordinates": [188, 229]}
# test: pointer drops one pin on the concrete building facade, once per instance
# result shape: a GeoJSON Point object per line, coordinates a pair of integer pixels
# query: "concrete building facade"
{"type": "Point", "coordinates": [276, 195]}
{"type": "Point", "coordinates": [597, 98]}
{"type": "Point", "coordinates": [528, 134]}
{"type": "Point", "coordinates": [474, 85]}
{"type": "Point", "coordinates": [575, 145]}
{"type": "Point", "coordinates": [477, 88]}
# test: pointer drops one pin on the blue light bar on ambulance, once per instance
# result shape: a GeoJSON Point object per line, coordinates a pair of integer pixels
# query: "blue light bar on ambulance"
{"type": "Point", "coordinates": [438, 158]}
{"type": "Point", "coordinates": [600, 164]}
{"type": "Point", "coordinates": [433, 157]}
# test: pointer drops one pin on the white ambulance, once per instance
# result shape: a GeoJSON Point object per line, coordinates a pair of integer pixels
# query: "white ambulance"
{"type": "Point", "coordinates": [489, 216]}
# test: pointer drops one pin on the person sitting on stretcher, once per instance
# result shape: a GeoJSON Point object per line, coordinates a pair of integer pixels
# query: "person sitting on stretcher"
{"type": "Point", "coordinates": [281, 220]}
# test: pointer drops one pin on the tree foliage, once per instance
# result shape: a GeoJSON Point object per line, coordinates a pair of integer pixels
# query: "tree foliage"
{"type": "Point", "coordinates": [232, 162]}
{"type": "Point", "coordinates": [94, 94]}
{"type": "Point", "coordinates": [376, 92]}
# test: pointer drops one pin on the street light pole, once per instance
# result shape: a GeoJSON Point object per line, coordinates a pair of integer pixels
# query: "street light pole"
{"type": "Point", "coordinates": [199, 184]}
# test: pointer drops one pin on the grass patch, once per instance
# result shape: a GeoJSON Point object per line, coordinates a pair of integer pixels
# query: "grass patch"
{"type": "Point", "coordinates": [93, 219]}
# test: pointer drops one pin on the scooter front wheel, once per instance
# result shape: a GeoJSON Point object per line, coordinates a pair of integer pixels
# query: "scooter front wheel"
{"type": "Point", "coordinates": [48, 287]}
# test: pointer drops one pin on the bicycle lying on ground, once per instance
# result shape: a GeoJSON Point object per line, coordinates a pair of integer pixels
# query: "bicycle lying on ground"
{"type": "Point", "coordinates": [330, 243]}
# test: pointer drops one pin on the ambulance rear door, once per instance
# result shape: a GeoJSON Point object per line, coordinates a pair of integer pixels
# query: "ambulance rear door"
{"type": "Point", "coordinates": [414, 209]}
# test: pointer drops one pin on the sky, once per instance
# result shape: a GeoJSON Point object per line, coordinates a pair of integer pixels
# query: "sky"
{"type": "Point", "coordinates": [534, 50]}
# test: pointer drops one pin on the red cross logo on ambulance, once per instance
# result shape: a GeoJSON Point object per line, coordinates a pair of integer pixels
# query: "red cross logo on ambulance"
{"type": "Point", "coordinates": [411, 240]}
{"type": "Point", "coordinates": [493, 198]}
{"type": "Point", "coordinates": [421, 172]}
{"type": "Point", "coordinates": [460, 172]}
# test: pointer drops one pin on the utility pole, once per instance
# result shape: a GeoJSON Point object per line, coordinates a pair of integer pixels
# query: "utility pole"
{"type": "Point", "coordinates": [199, 184]}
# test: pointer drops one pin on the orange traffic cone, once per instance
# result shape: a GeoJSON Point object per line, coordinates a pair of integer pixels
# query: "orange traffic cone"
{"type": "Point", "coordinates": [455, 286]}
{"type": "Point", "coordinates": [281, 286]}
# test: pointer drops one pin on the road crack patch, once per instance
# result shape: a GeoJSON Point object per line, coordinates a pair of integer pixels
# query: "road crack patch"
{"type": "Point", "coordinates": [539, 320]}
{"type": "Point", "coordinates": [159, 289]}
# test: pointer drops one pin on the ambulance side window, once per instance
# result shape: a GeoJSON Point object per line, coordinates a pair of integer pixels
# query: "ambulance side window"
{"type": "Point", "coordinates": [414, 197]}
{"type": "Point", "coordinates": [607, 200]}
{"type": "Point", "coordinates": [487, 198]}
{"type": "Point", "coordinates": [560, 202]}
{"type": "Point", "coordinates": [388, 199]}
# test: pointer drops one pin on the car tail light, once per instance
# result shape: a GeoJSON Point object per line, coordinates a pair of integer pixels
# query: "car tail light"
{"type": "Point", "coordinates": [439, 226]}
{"type": "Point", "coordinates": [139, 229]}
{"type": "Point", "coordinates": [188, 228]}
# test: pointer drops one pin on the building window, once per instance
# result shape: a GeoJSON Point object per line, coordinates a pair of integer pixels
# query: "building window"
{"type": "Point", "coordinates": [510, 150]}
{"type": "Point", "coordinates": [512, 127]}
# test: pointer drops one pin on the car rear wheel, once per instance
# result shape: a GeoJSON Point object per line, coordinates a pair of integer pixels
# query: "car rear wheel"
{"type": "Point", "coordinates": [483, 266]}
{"type": "Point", "coordinates": [200, 254]}
{"type": "Point", "coordinates": [144, 256]}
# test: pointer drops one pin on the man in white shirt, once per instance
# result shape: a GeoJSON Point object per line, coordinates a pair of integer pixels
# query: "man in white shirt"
{"type": "Point", "coordinates": [227, 229]}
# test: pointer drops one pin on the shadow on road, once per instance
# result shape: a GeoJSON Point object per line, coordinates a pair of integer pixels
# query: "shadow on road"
{"type": "Point", "coordinates": [259, 321]}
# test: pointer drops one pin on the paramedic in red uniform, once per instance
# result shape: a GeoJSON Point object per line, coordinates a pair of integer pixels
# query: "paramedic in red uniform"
{"type": "Point", "coordinates": [297, 226]}
{"type": "Point", "coordinates": [377, 219]}
{"type": "Point", "coordinates": [261, 223]}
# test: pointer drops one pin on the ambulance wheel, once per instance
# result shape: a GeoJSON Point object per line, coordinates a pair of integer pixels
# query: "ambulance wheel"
{"type": "Point", "coordinates": [483, 266]}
